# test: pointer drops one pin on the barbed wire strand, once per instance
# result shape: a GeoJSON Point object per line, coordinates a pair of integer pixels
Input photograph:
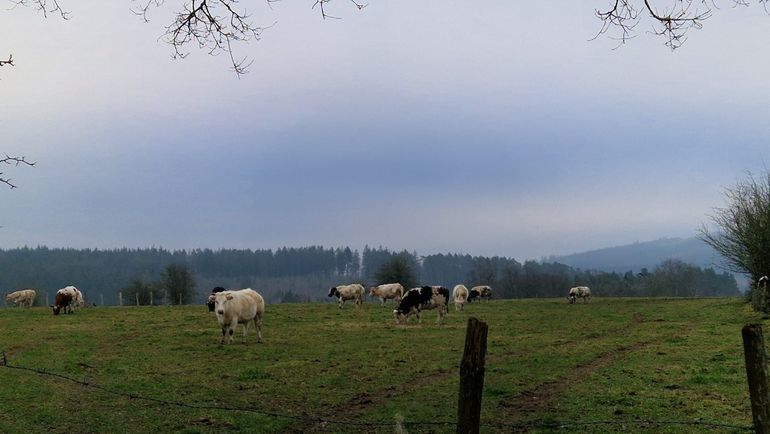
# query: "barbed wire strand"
{"type": "Point", "coordinates": [379, 423]}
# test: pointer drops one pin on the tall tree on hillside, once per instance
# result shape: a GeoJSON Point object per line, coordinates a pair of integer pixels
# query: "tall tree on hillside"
{"type": "Point", "coordinates": [399, 269]}
{"type": "Point", "coordinates": [179, 283]}
{"type": "Point", "coordinates": [742, 234]}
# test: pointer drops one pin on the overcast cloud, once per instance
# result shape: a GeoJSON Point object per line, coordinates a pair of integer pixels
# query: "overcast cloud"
{"type": "Point", "coordinates": [494, 129]}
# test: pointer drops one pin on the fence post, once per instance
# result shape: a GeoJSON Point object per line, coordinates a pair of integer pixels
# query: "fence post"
{"type": "Point", "coordinates": [137, 299]}
{"type": "Point", "coordinates": [472, 377]}
{"type": "Point", "coordinates": [150, 298]}
{"type": "Point", "coordinates": [180, 298]}
{"type": "Point", "coordinates": [120, 298]}
{"type": "Point", "coordinates": [757, 374]}
{"type": "Point", "coordinates": [101, 296]}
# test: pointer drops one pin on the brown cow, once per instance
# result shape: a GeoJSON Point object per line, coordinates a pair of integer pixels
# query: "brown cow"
{"type": "Point", "coordinates": [63, 300]}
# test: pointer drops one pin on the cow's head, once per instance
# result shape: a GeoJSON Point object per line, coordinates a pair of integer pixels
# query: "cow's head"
{"type": "Point", "coordinates": [572, 298]}
{"type": "Point", "coordinates": [473, 293]}
{"type": "Point", "coordinates": [333, 291]}
{"type": "Point", "coordinates": [55, 309]}
{"type": "Point", "coordinates": [220, 301]}
{"type": "Point", "coordinates": [400, 316]}
{"type": "Point", "coordinates": [372, 290]}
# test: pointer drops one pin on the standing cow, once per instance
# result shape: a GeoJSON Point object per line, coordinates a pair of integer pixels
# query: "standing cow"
{"type": "Point", "coordinates": [348, 292]}
{"type": "Point", "coordinates": [23, 298]}
{"type": "Point", "coordinates": [239, 307]}
{"type": "Point", "coordinates": [460, 296]}
{"type": "Point", "coordinates": [481, 291]}
{"type": "Point", "coordinates": [387, 291]}
{"type": "Point", "coordinates": [418, 299]}
{"type": "Point", "coordinates": [63, 300]}
{"type": "Point", "coordinates": [579, 291]}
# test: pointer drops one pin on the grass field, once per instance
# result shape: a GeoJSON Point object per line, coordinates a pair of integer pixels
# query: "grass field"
{"type": "Point", "coordinates": [625, 361]}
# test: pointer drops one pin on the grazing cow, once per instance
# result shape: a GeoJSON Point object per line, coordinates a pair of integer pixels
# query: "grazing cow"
{"type": "Point", "coordinates": [387, 291]}
{"type": "Point", "coordinates": [481, 291]}
{"type": "Point", "coordinates": [579, 291]}
{"type": "Point", "coordinates": [63, 300]}
{"type": "Point", "coordinates": [77, 299]}
{"type": "Point", "coordinates": [211, 300]}
{"type": "Point", "coordinates": [234, 307]}
{"type": "Point", "coordinates": [23, 298]}
{"type": "Point", "coordinates": [348, 292]}
{"type": "Point", "coordinates": [418, 299]}
{"type": "Point", "coordinates": [460, 296]}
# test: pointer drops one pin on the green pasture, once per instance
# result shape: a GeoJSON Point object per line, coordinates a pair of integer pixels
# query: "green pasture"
{"type": "Point", "coordinates": [611, 365]}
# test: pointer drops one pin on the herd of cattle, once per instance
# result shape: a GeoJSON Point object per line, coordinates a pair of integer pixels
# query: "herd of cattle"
{"type": "Point", "coordinates": [246, 305]}
{"type": "Point", "coordinates": [413, 301]}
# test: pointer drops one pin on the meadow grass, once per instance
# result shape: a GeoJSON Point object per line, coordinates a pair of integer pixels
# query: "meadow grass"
{"type": "Point", "coordinates": [627, 361]}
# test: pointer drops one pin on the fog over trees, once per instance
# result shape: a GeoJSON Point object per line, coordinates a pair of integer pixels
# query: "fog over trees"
{"type": "Point", "coordinates": [292, 274]}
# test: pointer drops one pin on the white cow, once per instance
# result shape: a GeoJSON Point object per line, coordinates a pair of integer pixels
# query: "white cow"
{"type": "Point", "coordinates": [387, 291]}
{"type": "Point", "coordinates": [239, 307]}
{"type": "Point", "coordinates": [579, 291]}
{"type": "Point", "coordinates": [23, 298]}
{"type": "Point", "coordinates": [460, 296]}
{"type": "Point", "coordinates": [348, 292]}
{"type": "Point", "coordinates": [78, 299]}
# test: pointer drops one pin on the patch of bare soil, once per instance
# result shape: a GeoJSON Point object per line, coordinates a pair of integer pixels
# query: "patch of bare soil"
{"type": "Point", "coordinates": [358, 404]}
{"type": "Point", "coordinates": [541, 398]}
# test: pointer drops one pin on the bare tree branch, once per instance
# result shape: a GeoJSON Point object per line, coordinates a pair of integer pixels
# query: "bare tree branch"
{"type": "Point", "coordinates": [12, 161]}
{"type": "Point", "coordinates": [44, 6]}
{"type": "Point", "coordinates": [672, 23]}
{"type": "Point", "coordinates": [7, 62]}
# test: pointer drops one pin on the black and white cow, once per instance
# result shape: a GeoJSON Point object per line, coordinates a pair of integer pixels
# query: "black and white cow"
{"type": "Point", "coordinates": [481, 291]}
{"type": "Point", "coordinates": [211, 301]}
{"type": "Point", "coordinates": [424, 298]}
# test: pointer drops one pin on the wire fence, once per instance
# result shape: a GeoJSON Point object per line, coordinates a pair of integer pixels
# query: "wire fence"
{"type": "Point", "coordinates": [322, 421]}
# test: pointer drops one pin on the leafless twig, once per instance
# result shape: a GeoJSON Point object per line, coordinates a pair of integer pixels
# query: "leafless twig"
{"type": "Point", "coordinates": [14, 161]}
{"type": "Point", "coordinates": [44, 6]}
{"type": "Point", "coordinates": [7, 62]}
{"type": "Point", "coordinates": [671, 23]}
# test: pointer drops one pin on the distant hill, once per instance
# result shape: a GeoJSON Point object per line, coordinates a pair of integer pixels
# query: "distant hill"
{"type": "Point", "coordinates": [643, 255]}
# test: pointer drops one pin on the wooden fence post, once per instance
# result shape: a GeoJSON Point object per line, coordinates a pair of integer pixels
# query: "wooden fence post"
{"type": "Point", "coordinates": [137, 299]}
{"type": "Point", "coordinates": [150, 298]}
{"type": "Point", "coordinates": [757, 374]}
{"type": "Point", "coordinates": [101, 297]}
{"type": "Point", "coordinates": [180, 298]}
{"type": "Point", "coordinates": [472, 377]}
{"type": "Point", "coordinates": [120, 298]}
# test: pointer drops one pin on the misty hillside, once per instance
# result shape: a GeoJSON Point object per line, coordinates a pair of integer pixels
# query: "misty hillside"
{"type": "Point", "coordinates": [643, 255]}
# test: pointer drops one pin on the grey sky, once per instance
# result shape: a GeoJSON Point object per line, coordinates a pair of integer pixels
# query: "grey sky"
{"type": "Point", "coordinates": [438, 126]}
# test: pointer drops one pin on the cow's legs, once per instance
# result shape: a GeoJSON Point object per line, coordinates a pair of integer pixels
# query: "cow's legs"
{"type": "Point", "coordinates": [258, 325]}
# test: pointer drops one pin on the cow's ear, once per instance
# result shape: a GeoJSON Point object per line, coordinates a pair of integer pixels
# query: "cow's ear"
{"type": "Point", "coordinates": [229, 297]}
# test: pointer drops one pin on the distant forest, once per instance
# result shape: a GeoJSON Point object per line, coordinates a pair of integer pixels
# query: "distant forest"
{"type": "Point", "coordinates": [296, 274]}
